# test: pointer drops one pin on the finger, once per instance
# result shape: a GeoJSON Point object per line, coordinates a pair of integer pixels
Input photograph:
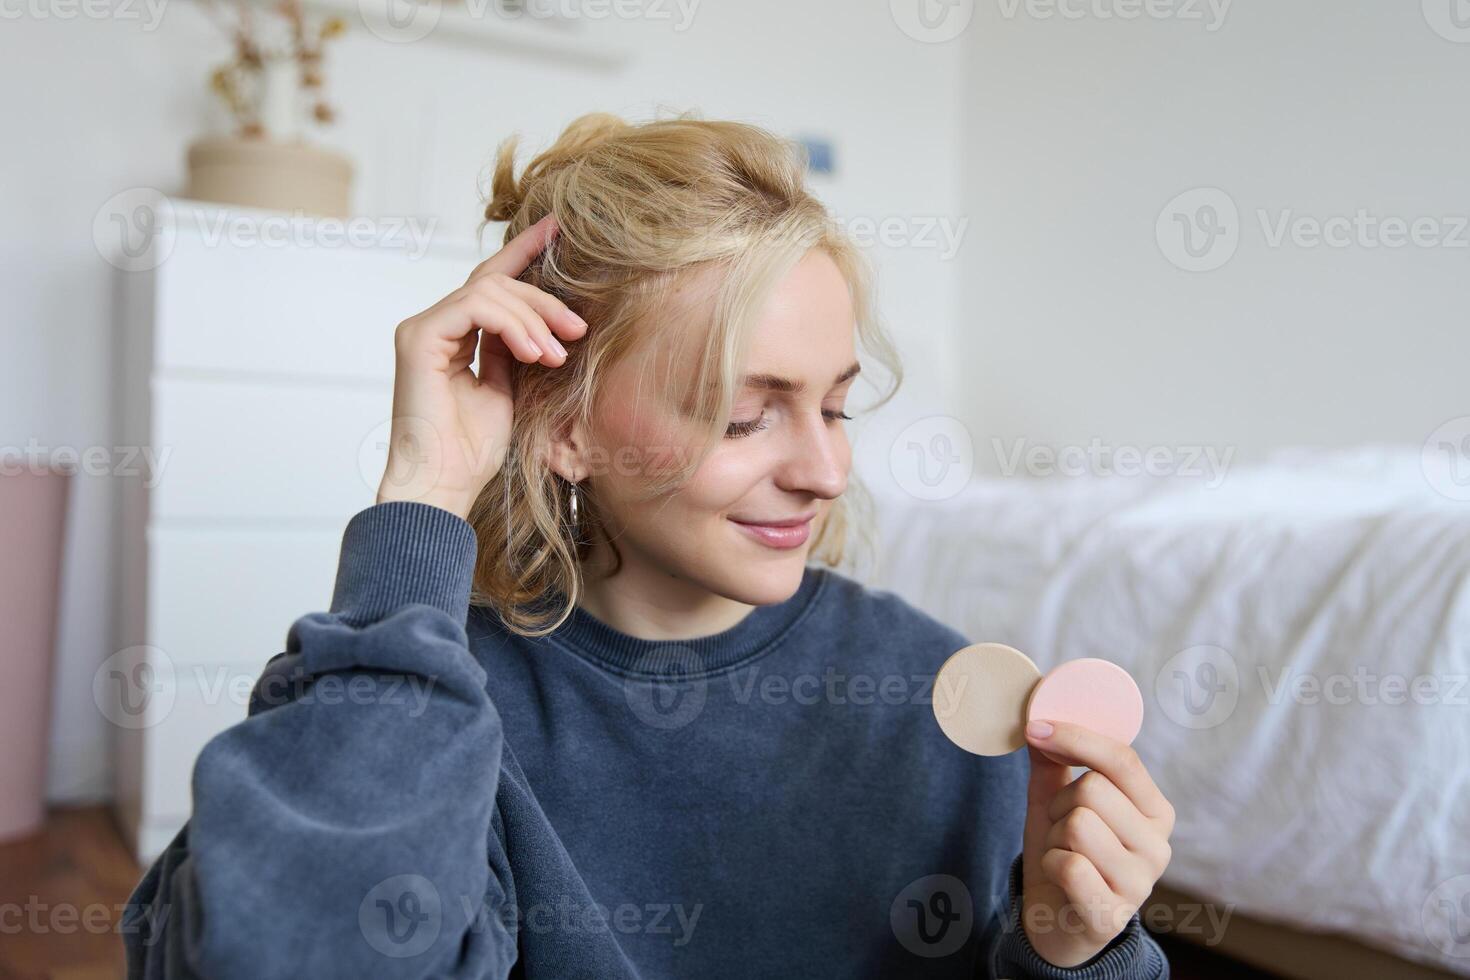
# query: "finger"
{"type": "Point", "coordinates": [552, 352]}
{"type": "Point", "coordinates": [1083, 831]}
{"type": "Point", "coordinates": [465, 355]}
{"type": "Point", "coordinates": [1096, 792]}
{"type": "Point", "coordinates": [557, 315]}
{"type": "Point", "coordinates": [1046, 780]}
{"type": "Point", "coordinates": [1083, 885]}
{"type": "Point", "coordinates": [1079, 746]}
{"type": "Point", "coordinates": [503, 323]}
{"type": "Point", "coordinates": [494, 363]}
{"type": "Point", "coordinates": [518, 253]}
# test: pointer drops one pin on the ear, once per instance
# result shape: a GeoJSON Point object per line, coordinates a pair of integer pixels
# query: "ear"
{"type": "Point", "coordinates": [568, 453]}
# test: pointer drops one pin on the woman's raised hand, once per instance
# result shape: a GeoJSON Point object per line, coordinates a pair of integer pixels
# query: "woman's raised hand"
{"type": "Point", "coordinates": [1093, 846]}
{"type": "Point", "coordinates": [451, 428]}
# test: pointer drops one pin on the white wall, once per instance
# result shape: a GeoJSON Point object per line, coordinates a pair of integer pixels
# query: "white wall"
{"type": "Point", "coordinates": [1080, 130]}
{"type": "Point", "coordinates": [98, 106]}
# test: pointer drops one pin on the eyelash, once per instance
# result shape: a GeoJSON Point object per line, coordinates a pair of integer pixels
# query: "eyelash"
{"type": "Point", "coordinates": [738, 430]}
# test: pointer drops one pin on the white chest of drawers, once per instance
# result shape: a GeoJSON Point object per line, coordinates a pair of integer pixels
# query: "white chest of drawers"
{"type": "Point", "coordinates": [256, 374]}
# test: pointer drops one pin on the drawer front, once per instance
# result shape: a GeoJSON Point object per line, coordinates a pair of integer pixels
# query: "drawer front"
{"type": "Point", "coordinates": [234, 450]}
{"type": "Point", "coordinates": [230, 595]}
{"type": "Point", "coordinates": [316, 311]}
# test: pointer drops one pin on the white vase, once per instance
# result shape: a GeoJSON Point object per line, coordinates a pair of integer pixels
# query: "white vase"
{"type": "Point", "coordinates": [280, 99]}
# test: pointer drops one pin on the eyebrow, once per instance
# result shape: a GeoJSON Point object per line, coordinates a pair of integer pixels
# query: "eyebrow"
{"type": "Point", "coordinates": [770, 382]}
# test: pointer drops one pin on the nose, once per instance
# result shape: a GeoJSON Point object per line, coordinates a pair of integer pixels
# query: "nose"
{"type": "Point", "coordinates": [816, 458]}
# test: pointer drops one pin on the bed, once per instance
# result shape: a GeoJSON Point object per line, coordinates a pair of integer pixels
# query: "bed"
{"type": "Point", "coordinates": [1301, 633]}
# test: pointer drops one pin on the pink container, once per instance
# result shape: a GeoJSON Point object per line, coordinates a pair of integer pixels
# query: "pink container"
{"type": "Point", "coordinates": [32, 529]}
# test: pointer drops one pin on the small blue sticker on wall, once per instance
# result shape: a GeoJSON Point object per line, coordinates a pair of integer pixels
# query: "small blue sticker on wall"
{"type": "Point", "coordinates": [819, 154]}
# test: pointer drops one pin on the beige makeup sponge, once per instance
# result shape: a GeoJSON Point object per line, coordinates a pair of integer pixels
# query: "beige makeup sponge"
{"type": "Point", "coordinates": [980, 697]}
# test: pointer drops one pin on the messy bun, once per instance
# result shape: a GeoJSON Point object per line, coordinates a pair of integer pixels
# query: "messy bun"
{"type": "Point", "coordinates": [506, 195]}
{"type": "Point", "coordinates": [646, 211]}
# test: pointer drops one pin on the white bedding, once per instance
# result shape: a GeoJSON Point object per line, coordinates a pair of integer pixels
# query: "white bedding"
{"type": "Point", "coordinates": [1331, 808]}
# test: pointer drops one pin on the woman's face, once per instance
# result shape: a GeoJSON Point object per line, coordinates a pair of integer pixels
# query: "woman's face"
{"type": "Point", "coordinates": [784, 458]}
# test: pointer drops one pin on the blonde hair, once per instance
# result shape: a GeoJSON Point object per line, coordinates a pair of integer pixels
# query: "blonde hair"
{"type": "Point", "coordinates": [643, 209]}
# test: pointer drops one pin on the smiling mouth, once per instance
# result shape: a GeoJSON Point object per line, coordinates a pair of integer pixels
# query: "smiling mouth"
{"type": "Point", "coordinates": [783, 535]}
{"type": "Point", "coordinates": [783, 522]}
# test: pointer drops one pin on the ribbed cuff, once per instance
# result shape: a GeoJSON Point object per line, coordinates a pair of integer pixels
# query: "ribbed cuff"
{"type": "Point", "coordinates": [403, 552]}
{"type": "Point", "coordinates": [1130, 955]}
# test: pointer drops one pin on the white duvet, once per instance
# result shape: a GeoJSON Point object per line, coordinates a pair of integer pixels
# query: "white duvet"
{"type": "Point", "coordinates": [1301, 633]}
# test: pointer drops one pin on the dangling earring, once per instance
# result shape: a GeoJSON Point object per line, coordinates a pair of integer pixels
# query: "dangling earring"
{"type": "Point", "coordinates": [574, 506]}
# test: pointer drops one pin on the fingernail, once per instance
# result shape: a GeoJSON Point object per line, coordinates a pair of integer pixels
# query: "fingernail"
{"type": "Point", "coordinates": [1039, 729]}
{"type": "Point", "coordinates": [534, 349]}
{"type": "Point", "coordinates": [578, 319]}
{"type": "Point", "coordinates": [556, 346]}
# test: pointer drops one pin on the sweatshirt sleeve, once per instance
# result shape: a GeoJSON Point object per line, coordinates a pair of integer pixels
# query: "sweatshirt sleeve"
{"type": "Point", "coordinates": [343, 829]}
{"type": "Point", "coordinates": [1132, 955]}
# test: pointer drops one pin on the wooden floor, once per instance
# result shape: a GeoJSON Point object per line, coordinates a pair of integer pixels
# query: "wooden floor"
{"type": "Point", "coordinates": [61, 894]}
{"type": "Point", "coordinates": [65, 888]}
{"type": "Point", "coordinates": [1188, 961]}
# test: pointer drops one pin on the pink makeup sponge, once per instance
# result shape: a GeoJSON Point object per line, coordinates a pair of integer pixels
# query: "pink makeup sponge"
{"type": "Point", "coordinates": [1096, 694]}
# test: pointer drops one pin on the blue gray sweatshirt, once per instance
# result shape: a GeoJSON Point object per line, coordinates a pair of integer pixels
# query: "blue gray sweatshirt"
{"type": "Point", "coordinates": [418, 792]}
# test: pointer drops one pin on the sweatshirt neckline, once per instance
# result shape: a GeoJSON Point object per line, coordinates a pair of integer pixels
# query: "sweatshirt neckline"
{"type": "Point", "coordinates": [762, 628]}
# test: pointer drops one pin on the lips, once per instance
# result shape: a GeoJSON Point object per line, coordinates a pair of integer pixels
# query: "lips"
{"type": "Point", "coordinates": [783, 522]}
{"type": "Point", "coordinates": [782, 534]}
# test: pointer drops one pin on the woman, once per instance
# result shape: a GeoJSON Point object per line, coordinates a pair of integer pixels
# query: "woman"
{"type": "Point", "coordinates": [581, 707]}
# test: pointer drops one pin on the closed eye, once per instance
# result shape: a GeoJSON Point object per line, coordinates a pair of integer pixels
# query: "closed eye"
{"type": "Point", "coordinates": [738, 430]}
